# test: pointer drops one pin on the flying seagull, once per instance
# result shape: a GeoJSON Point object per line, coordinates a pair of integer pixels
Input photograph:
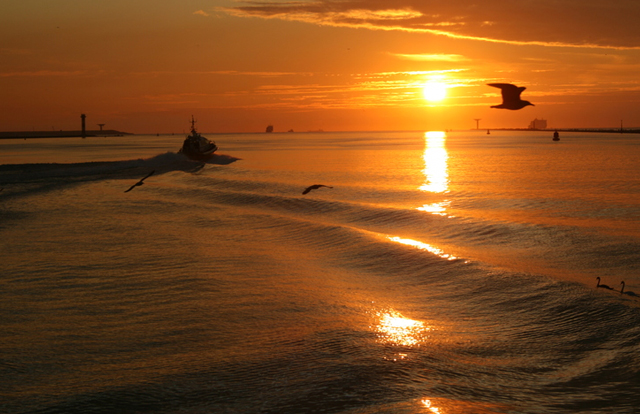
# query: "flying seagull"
{"type": "Point", "coordinates": [314, 187]}
{"type": "Point", "coordinates": [510, 96]}
{"type": "Point", "coordinates": [140, 182]}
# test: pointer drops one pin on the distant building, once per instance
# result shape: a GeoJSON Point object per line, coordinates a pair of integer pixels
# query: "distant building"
{"type": "Point", "coordinates": [538, 124]}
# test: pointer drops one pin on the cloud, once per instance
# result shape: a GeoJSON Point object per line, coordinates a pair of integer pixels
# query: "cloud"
{"type": "Point", "coordinates": [380, 15]}
{"type": "Point", "coordinates": [201, 13]}
{"type": "Point", "coordinates": [558, 23]}
{"type": "Point", "coordinates": [364, 90]}
{"type": "Point", "coordinates": [424, 57]}
{"type": "Point", "coordinates": [221, 73]}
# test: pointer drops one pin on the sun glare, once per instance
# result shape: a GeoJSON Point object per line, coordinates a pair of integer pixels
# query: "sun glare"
{"type": "Point", "coordinates": [423, 246]}
{"type": "Point", "coordinates": [427, 404]}
{"type": "Point", "coordinates": [395, 328]}
{"type": "Point", "coordinates": [434, 91]}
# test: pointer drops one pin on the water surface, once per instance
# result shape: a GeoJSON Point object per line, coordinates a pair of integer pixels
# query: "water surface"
{"type": "Point", "coordinates": [442, 273]}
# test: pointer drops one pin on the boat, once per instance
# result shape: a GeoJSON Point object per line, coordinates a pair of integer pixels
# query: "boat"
{"type": "Point", "coordinates": [197, 147]}
{"type": "Point", "coordinates": [556, 136]}
{"type": "Point", "coordinates": [269, 128]}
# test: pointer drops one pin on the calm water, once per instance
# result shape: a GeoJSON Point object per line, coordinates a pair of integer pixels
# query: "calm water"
{"type": "Point", "coordinates": [441, 274]}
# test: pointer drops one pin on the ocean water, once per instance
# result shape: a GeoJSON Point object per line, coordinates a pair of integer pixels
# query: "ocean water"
{"type": "Point", "coordinates": [442, 273]}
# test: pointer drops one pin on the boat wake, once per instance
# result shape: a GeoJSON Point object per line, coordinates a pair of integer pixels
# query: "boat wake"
{"type": "Point", "coordinates": [18, 179]}
{"type": "Point", "coordinates": [221, 159]}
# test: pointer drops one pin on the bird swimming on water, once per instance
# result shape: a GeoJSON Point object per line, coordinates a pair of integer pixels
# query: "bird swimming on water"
{"type": "Point", "coordinates": [603, 286]}
{"type": "Point", "coordinates": [510, 96]}
{"type": "Point", "coordinates": [141, 181]}
{"type": "Point", "coordinates": [627, 293]}
{"type": "Point", "coordinates": [314, 187]}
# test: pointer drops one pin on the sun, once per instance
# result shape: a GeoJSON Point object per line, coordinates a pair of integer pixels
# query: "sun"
{"type": "Point", "coordinates": [434, 91]}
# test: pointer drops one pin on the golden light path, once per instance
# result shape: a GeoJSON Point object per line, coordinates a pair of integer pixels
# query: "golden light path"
{"type": "Point", "coordinates": [398, 330]}
{"type": "Point", "coordinates": [423, 246]}
{"type": "Point", "coordinates": [431, 408]}
{"type": "Point", "coordinates": [395, 329]}
{"type": "Point", "coordinates": [436, 208]}
{"type": "Point", "coordinates": [435, 171]}
{"type": "Point", "coordinates": [435, 163]}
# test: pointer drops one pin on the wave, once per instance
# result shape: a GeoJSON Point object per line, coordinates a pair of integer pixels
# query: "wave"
{"type": "Point", "coordinates": [526, 246]}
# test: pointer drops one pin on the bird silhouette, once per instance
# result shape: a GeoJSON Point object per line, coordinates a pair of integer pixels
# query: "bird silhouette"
{"type": "Point", "coordinates": [141, 181]}
{"type": "Point", "coordinates": [510, 96]}
{"type": "Point", "coordinates": [603, 286]}
{"type": "Point", "coordinates": [627, 293]}
{"type": "Point", "coordinates": [314, 187]}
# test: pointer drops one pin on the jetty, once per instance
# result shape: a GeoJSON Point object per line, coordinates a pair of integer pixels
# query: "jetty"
{"type": "Point", "coordinates": [603, 130]}
{"type": "Point", "coordinates": [82, 133]}
{"type": "Point", "coordinates": [62, 134]}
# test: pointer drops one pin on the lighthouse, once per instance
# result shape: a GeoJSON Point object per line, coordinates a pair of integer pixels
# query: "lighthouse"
{"type": "Point", "coordinates": [84, 131]}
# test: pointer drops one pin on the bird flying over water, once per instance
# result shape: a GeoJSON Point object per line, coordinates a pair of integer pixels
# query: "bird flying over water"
{"type": "Point", "coordinates": [314, 187]}
{"type": "Point", "coordinates": [141, 181]}
{"type": "Point", "coordinates": [510, 96]}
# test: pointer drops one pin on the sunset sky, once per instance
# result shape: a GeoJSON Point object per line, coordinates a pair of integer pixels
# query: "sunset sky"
{"type": "Point", "coordinates": [146, 66]}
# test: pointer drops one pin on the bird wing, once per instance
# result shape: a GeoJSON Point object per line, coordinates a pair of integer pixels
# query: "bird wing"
{"type": "Point", "coordinates": [141, 181]}
{"type": "Point", "coordinates": [510, 92]}
{"type": "Point", "coordinates": [148, 175]}
{"type": "Point", "coordinates": [311, 187]}
{"type": "Point", "coordinates": [518, 91]}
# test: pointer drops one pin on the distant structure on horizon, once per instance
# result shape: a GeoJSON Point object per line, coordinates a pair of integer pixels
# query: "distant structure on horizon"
{"type": "Point", "coordinates": [538, 124]}
{"type": "Point", "coordinates": [83, 117]}
{"type": "Point", "coordinates": [83, 132]}
{"type": "Point", "coordinates": [269, 128]}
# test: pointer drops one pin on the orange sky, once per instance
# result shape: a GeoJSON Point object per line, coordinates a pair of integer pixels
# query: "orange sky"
{"type": "Point", "coordinates": [146, 66]}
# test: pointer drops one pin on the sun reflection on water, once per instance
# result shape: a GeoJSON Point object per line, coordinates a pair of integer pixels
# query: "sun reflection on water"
{"type": "Point", "coordinates": [423, 246]}
{"type": "Point", "coordinates": [394, 328]}
{"type": "Point", "coordinates": [435, 163]}
{"type": "Point", "coordinates": [436, 208]}
{"type": "Point", "coordinates": [430, 407]}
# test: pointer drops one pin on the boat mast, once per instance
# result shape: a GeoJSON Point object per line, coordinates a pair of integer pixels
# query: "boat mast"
{"type": "Point", "coordinates": [193, 125]}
